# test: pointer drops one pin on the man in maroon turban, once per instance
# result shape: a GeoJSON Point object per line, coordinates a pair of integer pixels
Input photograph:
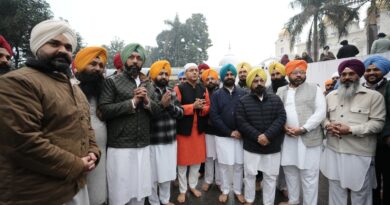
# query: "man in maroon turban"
{"type": "Point", "coordinates": [5, 56]}
{"type": "Point", "coordinates": [355, 116]}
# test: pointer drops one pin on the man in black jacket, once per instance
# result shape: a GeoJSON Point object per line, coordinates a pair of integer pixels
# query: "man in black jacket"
{"type": "Point", "coordinates": [126, 104]}
{"type": "Point", "coordinates": [260, 118]}
{"type": "Point", "coordinates": [347, 50]}
{"type": "Point", "coordinates": [228, 141]}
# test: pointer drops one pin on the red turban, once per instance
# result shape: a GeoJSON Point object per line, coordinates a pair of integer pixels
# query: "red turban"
{"type": "Point", "coordinates": [354, 64]}
{"type": "Point", "coordinates": [4, 44]}
{"type": "Point", "coordinates": [117, 61]}
{"type": "Point", "coordinates": [294, 64]}
{"type": "Point", "coordinates": [203, 66]}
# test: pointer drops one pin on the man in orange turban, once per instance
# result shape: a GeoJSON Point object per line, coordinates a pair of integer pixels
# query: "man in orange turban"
{"type": "Point", "coordinates": [90, 66]}
{"type": "Point", "coordinates": [328, 86]}
{"type": "Point", "coordinates": [306, 109]}
{"type": "Point", "coordinates": [90, 55]}
{"type": "Point", "coordinates": [163, 146]}
{"type": "Point", "coordinates": [211, 81]}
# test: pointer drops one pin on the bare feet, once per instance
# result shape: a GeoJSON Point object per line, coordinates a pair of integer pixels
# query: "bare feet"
{"type": "Point", "coordinates": [205, 187]}
{"type": "Point", "coordinates": [223, 198]}
{"type": "Point", "coordinates": [181, 198]}
{"type": "Point", "coordinates": [240, 198]}
{"type": "Point", "coordinates": [196, 192]}
{"type": "Point", "coordinates": [285, 193]}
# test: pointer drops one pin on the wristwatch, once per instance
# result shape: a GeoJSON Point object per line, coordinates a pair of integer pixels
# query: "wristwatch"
{"type": "Point", "coordinates": [303, 130]}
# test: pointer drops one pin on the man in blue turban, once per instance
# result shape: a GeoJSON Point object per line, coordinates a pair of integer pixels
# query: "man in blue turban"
{"type": "Point", "coordinates": [376, 68]}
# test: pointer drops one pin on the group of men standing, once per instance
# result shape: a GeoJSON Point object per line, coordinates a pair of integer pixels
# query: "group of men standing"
{"type": "Point", "coordinates": [126, 137]}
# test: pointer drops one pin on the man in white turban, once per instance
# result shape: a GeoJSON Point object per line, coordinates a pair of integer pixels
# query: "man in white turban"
{"type": "Point", "coordinates": [47, 144]}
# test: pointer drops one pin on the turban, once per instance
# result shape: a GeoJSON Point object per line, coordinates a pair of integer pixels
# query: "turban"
{"type": "Point", "coordinates": [277, 66]}
{"type": "Point", "coordinates": [180, 75]}
{"type": "Point", "coordinates": [129, 49]}
{"type": "Point", "coordinates": [328, 82]}
{"type": "Point", "coordinates": [380, 62]}
{"type": "Point", "coordinates": [157, 67]}
{"type": "Point", "coordinates": [335, 74]}
{"type": "Point", "coordinates": [209, 72]}
{"type": "Point", "coordinates": [255, 72]}
{"type": "Point", "coordinates": [354, 64]}
{"type": "Point", "coordinates": [203, 66]}
{"type": "Point", "coordinates": [189, 65]}
{"type": "Point", "coordinates": [86, 56]}
{"type": "Point", "coordinates": [294, 64]}
{"type": "Point", "coordinates": [117, 61]}
{"type": "Point", "coordinates": [4, 44]}
{"type": "Point", "coordinates": [225, 69]}
{"type": "Point", "coordinates": [244, 65]}
{"type": "Point", "coordinates": [49, 29]}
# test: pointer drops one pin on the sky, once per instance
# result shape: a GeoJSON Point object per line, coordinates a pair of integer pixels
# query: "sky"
{"type": "Point", "coordinates": [251, 27]}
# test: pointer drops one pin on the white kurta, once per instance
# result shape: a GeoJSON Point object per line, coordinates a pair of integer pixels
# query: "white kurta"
{"type": "Point", "coordinates": [211, 151]}
{"type": "Point", "coordinates": [128, 174]}
{"type": "Point", "coordinates": [97, 179]}
{"type": "Point", "coordinates": [163, 162]}
{"type": "Point", "coordinates": [349, 169]}
{"type": "Point", "coordinates": [294, 151]}
{"type": "Point", "coordinates": [267, 163]}
{"type": "Point", "coordinates": [230, 151]}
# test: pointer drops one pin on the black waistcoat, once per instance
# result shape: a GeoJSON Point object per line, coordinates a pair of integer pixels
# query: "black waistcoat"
{"type": "Point", "coordinates": [188, 96]}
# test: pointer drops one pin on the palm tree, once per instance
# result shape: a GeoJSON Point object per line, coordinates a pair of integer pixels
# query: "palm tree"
{"type": "Point", "coordinates": [318, 13]}
{"type": "Point", "coordinates": [373, 12]}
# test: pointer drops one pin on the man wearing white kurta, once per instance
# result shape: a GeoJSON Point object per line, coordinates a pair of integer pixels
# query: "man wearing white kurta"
{"type": "Point", "coordinates": [228, 140]}
{"type": "Point", "coordinates": [305, 107]}
{"type": "Point", "coordinates": [163, 146]}
{"type": "Point", "coordinates": [126, 103]}
{"type": "Point", "coordinates": [210, 80]}
{"type": "Point", "coordinates": [355, 115]}
{"type": "Point", "coordinates": [260, 118]}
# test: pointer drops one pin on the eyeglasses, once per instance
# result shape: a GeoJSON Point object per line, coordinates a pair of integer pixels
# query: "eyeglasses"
{"type": "Point", "coordinates": [182, 79]}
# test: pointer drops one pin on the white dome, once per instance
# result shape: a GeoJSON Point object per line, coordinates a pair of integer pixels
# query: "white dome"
{"type": "Point", "coordinates": [228, 58]}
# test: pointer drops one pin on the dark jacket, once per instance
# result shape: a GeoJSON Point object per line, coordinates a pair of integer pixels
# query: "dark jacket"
{"type": "Point", "coordinates": [163, 124]}
{"type": "Point", "coordinates": [347, 51]}
{"type": "Point", "coordinates": [255, 117]}
{"type": "Point", "coordinates": [210, 128]}
{"type": "Point", "coordinates": [223, 109]}
{"type": "Point", "coordinates": [45, 130]}
{"type": "Point", "coordinates": [126, 127]}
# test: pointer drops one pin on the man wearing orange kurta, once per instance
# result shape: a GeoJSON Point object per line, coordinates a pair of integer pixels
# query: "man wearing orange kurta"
{"type": "Point", "coordinates": [191, 145]}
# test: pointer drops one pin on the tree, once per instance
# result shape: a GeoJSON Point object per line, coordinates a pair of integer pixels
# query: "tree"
{"type": "Point", "coordinates": [318, 13]}
{"type": "Point", "coordinates": [183, 43]}
{"type": "Point", "coordinates": [116, 45]}
{"type": "Point", "coordinates": [17, 18]}
{"type": "Point", "coordinates": [373, 12]}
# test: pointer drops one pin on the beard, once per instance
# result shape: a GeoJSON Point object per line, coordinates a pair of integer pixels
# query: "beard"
{"type": "Point", "coordinates": [228, 82]}
{"type": "Point", "coordinates": [132, 70]}
{"type": "Point", "coordinates": [90, 83]}
{"type": "Point", "coordinates": [161, 83]}
{"type": "Point", "coordinates": [375, 80]}
{"type": "Point", "coordinates": [297, 81]}
{"type": "Point", "coordinates": [211, 86]}
{"type": "Point", "coordinates": [259, 90]}
{"type": "Point", "coordinates": [4, 68]}
{"type": "Point", "coordinates": [347, 89]}
{"type": "Point", "coordinates": [277, 83]}
{"type": "Point", "coordinates": [59, 63]}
